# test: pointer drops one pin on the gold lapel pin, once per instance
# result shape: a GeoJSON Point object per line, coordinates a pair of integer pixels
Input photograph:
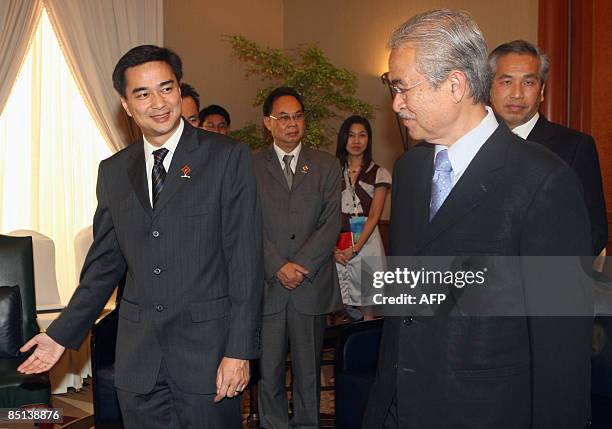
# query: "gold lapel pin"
{"type": "Point", "coordinates": [186, 170]}
{"type": "Point", "coordinates": [305, 169]}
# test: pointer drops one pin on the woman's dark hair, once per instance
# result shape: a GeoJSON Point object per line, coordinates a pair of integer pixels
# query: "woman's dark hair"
{"type": "Point", "coordinates": [343, 135]}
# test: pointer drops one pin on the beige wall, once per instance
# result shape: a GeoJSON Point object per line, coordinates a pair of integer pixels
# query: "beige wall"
{"type": "Point", "coordinates": [195, 29]}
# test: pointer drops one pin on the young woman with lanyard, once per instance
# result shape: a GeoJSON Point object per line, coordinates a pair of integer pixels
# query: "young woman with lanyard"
{"type": "Point", "coordinates": [364, 192]}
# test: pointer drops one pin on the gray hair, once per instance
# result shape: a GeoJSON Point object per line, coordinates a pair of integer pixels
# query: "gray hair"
{"type": "Point", "coordinates": [521, 47]}
{"type": "Point", "coordinates": [447, 40]}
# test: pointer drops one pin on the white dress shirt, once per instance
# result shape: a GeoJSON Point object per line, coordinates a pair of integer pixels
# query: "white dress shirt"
{"type": "Point", "coordinates": [462, 152]}
{"type": "Point", "coordinates": [170, 144]}
{"type": "Point", "coordinates": [523, 130]}
{"type": "Point", "coordinates": [281, 153]}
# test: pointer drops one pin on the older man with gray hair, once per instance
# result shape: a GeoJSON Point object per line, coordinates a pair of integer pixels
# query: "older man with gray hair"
{"type": "Point", "coordinates": [475, 188]}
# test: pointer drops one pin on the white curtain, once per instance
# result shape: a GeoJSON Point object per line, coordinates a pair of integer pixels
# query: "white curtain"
{"type": "Point", "coordinates": [50, 149]}
{"type": "Point", "coordinates": [94, 34]}
{"type": "Point", "coordinates": [18, 20]}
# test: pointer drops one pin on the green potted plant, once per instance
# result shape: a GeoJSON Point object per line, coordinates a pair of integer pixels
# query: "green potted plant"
{"type": "Point", "coordinates": [327, 89]}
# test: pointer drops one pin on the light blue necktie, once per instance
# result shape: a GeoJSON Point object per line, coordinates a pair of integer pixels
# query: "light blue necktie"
{"type": "Point", "coordinates": [441, 182]}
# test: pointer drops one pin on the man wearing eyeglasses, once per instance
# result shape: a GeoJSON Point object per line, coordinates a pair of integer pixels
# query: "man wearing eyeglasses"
{"type": "Point", "coordinates": [476, 190]}
{"type": "Point", "coordinates": [299, 189]}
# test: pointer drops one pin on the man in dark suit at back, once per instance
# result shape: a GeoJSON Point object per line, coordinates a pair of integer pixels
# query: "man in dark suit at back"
{"type": "Point", "coordinates": [519, 77]}
{"type": "Point", "coordinates": [475, 189]}
{"type": "Point", "coordinates": [178, 210]}
{"type": "Point", "coordinates": [300, 197]}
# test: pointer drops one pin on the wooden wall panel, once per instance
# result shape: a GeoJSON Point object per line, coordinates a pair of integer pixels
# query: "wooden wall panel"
{"type": "Point", "coordinates": [601, 100]}
{"type": "Point", "coordinates": [553, 37]}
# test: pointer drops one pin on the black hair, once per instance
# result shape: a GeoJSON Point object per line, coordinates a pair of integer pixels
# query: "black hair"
{"type": "Point", "coordinates": [189, 91]}
{"type": "Point", "coordinates": [278, 93]}
{"type": "Point", "coordinates": [214, 109]}
{"type": "Point", "coordinates": [343, 135]}
{"type": "Point", "coordinates": [145, 54]}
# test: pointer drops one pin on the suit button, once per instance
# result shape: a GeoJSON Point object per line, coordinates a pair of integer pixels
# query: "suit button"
{"type": "Point", "coordinates": [159, 307]}
{"type": "Point", "coordinates": [588, 423]}
{"type": "Point", "coordinates": [292, 236]}
{"type": "Point", "coordinates": [157, 271]}
{"type": "Point", "coordinates": [155, 234]}
{"type": "Point", "coordinates": [407, 320]}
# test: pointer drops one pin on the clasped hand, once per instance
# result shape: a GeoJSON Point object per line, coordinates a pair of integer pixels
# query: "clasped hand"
{"type": "Point", "coordinates": [344, 256]}
{"type": "Point", "coordinates": [291, 275]}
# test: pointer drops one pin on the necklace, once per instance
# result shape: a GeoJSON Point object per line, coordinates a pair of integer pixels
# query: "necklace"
{"type": "Point", "coordinates": [354, 170]}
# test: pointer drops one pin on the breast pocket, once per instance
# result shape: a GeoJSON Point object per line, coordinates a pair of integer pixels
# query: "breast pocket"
{"type": "Point", "coordinates": [193, 210]}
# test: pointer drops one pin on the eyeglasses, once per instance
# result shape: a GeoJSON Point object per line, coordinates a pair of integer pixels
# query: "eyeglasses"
{"type": "Point", "coordinates": [396, 89]}
{"type": "Point", "coordinates": [285, 119]}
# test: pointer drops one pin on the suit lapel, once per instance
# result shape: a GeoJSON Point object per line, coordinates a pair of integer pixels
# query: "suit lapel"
{"type": "Point", "coordinates": [541, 132]}
{"type": "Point", "coordinates": [274, 167]}
{"type": "Point", "coordinates": [302, 167]}
{"type": "Point", "coordinates": [138, 176]}
{"type": "Point", "coordinates": [183, 156]}
{"type": "Point", "coordinates": [478, 181]}
{"type": "Point", "coordinates": [422, 185]}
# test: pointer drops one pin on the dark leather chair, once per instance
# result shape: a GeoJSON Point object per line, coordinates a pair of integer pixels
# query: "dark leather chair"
{"type": "Point", "coordinates": [17, 269]}
{"type": "Point", "coordinates": [107, 414]}
{"type": "Point", "coordinates": [356, 361]}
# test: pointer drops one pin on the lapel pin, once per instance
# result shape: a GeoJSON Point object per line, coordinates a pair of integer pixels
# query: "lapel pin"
{"type": "Point", "coordinates": [305, 169]}
{"type": "Point", "coordinates": [186, 170]}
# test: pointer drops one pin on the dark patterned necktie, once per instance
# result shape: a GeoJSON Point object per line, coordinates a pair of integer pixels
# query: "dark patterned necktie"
{"type": "Point", "coordinates": [287, 170]}
{"type": "Point", "coordinates": [158, 174]}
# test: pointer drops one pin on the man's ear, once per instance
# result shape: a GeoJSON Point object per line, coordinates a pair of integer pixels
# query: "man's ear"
{"type": "Point", "coordinates": [125, 106]}
{"type": "Point", "coordinates": [542, 93]}
{"type": "Point", "coordinates": [267, 123]}
{"type": "Point", "coordinates": [458, 85]}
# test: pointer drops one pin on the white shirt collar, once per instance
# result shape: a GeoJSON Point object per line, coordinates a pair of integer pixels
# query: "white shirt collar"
{"type": "Point", "coordinates": [170, 144]}
{"type": "Point", "coordinates": [524, 130]}
{"type": "Point", "coordinates": [461, 153]}
{"type": "Point", "coordinates": [281, 153]}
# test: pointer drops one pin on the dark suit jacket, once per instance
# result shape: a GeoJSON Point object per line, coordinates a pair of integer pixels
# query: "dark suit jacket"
{"type": "Point", "coordinates": [194, 264]}
{"type": "Point", "coordinates": [580, 153]}
{"type": "Point", "coordinates": [300, 225]}
{"type": "Point", "coordinates": [487, 372]}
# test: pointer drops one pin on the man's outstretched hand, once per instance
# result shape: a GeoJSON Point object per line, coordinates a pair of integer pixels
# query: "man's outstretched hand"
{"type": "Point", "coordinates": [46, 354]}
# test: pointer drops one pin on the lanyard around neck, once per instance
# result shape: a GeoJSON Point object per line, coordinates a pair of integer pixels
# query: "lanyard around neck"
{"type": "Point", "coordinates": [352, 190]}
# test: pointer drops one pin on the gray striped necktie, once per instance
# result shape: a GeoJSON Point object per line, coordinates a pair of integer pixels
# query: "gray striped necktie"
{"type": "Point", "coordinates": [287, 170]}
{"type": "Point", "coordinates": [158, 174]}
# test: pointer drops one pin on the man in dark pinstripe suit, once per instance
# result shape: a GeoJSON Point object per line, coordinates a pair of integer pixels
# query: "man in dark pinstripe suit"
{"type": "Point", "coordinates": [178, 210]}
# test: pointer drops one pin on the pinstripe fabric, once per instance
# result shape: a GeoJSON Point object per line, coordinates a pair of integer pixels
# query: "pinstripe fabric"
{"type": "Point", "coordinates": [158, 173]}
{"type": "Point", "coordinates": [194, 283]}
